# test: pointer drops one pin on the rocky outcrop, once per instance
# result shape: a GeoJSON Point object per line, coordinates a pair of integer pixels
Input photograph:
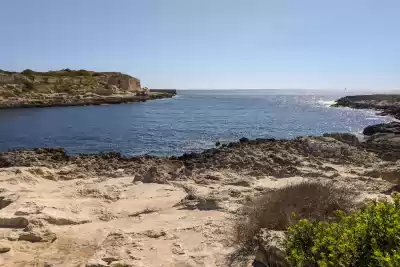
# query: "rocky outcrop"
{"type": "Point", "coordinates": [279, 158]}
{"type": "Point", "coordinates": [347, 138]}
{"type": "Point", "coordinates": [67, 81]}
{"type": "Point", "coordinates": [382, 139]}
{"type": "Point", "coordinates": [386, 145]}
{"type": "Point", "coordinates": [393, 127]}
{"type": "Point", "coordinates": [70, 88]}
{"type": "Point", "coordinates": [385, 103]}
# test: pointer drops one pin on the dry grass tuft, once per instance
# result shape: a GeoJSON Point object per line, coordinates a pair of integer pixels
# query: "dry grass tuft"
{"type": "Point", "coordinates": [274, 210]}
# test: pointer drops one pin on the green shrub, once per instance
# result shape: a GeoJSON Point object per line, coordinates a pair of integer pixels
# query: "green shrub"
{"type": "Point", "coordinates": [83, 73]}
{"type": "Point", "coordinates": [28, 72]}
{"type": "Point", "coordinates": [6, 72]}
{"type": "Point", "coordinates": [273, 210]}
{"type": "Point", "coordinates": [369, 237]}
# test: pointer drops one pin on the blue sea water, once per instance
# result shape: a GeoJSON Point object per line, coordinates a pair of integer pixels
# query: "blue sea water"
{"type": "Point", "coordinates": [191, 121]}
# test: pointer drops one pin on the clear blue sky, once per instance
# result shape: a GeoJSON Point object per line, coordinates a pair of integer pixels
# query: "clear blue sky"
{"type": "Point", "coordinates": [210, 43]}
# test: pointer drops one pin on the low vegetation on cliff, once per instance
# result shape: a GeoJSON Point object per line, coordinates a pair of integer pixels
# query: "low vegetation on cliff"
{"type": "Point", "coordinates": [74, 82]}
{"type": "Point", "coordinates": [69, 87]}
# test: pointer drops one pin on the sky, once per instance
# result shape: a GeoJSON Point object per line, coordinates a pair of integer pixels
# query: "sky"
{"type": "Point", "coordinates": [210, 44]}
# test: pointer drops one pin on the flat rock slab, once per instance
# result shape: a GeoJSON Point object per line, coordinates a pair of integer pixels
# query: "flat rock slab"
{"type": "Point", "coordinates": [58, 217]}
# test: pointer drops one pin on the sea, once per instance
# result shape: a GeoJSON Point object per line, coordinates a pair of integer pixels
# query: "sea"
{"type": "Point", "coordinates": [189, 122]}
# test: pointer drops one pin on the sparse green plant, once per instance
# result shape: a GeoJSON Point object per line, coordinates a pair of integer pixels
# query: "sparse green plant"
{"type": "Point", "coordinates": [28, 72]}
{"type": "Point", "coordinates": [273, 210]}
{"type": "Point", "coordinates": [369, 237]}
{"type": "Point", "coordinates": [83, 73]}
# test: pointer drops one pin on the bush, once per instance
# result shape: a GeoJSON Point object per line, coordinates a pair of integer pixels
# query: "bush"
{"type": "Point", "coordinates": [28, 72]}
{"type": "Point", "coordinates": [83, 73]}
{"type": "Point", "coordinates": [370, 237]}
{"type": "Point", "coordinates": [273, 210]}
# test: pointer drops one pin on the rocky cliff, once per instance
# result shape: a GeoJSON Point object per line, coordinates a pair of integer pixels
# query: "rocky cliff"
{"type": "Point", "coordinates": [68, 87]}
{"type": "Point", "coordinates": [13, 84]}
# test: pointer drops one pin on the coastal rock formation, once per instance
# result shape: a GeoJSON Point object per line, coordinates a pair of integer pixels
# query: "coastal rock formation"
{"type": "Point", "coordinates": [70, 88]}
{"type": "Point", "coordinates": [387, 104]}
{"type": "Point", "coordinates": [382, 139]}
{"type": "Point", "coordinates": [66, 81]}
{"type": "Point", "coordinates": [393, 127]}
{"type": "Point", "coordinates": [386, 145]}
{"type": "Point", "coordinates": [112, 210]}
{"type": "Point", "coordinates": [347, 138]}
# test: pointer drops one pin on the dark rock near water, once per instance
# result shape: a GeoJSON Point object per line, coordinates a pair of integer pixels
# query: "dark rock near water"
{"type": "Point", "coordinates": [383, 139]}
{"type": "Point", "coordinates": [385, 103]}
{"type": "Point", "coordinates": [393, 127]}
{"type": "Point", "coordinates": [386, 145]}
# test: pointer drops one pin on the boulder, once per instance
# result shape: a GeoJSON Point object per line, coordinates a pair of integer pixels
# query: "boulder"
{"type": "Point", "coordinates": [7, 200]}
{"type": "Point", "coordinates": [347, 138]}
{"type": "Point", "coordinates": [386, 145]}
{"type": "Point", "coordinates": [393, 127]}
{"type": "Point", "coordinates": [390, 174]}
{"type": "Point", "coordinates": [13, 222]}
{"type": "Point", "coordinates": [38, 235]}
{"type": "Point", "coordinates": [270, 248]}
{"type": "Point", "coordinates": [4, 247]}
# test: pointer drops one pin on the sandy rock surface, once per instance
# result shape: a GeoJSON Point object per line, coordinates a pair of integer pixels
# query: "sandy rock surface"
{"type": "Point", "coordinates": [108, 210]}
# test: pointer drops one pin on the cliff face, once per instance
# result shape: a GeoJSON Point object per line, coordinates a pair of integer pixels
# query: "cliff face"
{"type": "Point", "coordinates": [70, 88]}
{"type": "Point", "coordinates": [30, 83]}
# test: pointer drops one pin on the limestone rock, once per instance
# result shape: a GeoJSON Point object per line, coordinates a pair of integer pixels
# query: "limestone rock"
{"type": "Point", "coordinates": [152, 175]}
{"type": "Point", "coordinates": [58, 217]}
{"type": "Point", "coordinates": [7, 200]}
{"type": "Point", "coordinates": [97, 263]}
{"type": "Point", "coordinates": [390, 174]}
{"type": "Point", "coordinates": [28, 208]}
{"type": "Point", "coordinates": [271, 251]}
{"type": "Point", "coordinates": [393, 127]}
{"type": "Point", "coordinates": [347, 138]}
{"type": "Point", "coordinates": [13, 222]}
{"type": "Point", "coordinates": [4, 248]}
{"type": "Point", "coordinates": [386, 145]}
{"type": "Point", "coordinates": [38, 235]}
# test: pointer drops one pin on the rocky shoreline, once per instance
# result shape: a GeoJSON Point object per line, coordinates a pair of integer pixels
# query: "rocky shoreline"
{"type": "Point", "coordinates": [386, 104]}
{"type": "Point", "coordinates": [155, 211]}
{"type": "Point", "coordinates": [112, 210]}
{"type": "Point", "coordinates": [88, 101]}
{"type": "Point", "coordinates": [383, 139]}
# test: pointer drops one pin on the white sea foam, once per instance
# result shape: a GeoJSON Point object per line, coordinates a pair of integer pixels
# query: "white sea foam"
{"type": "Point", "coordinates": [326, 103]}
